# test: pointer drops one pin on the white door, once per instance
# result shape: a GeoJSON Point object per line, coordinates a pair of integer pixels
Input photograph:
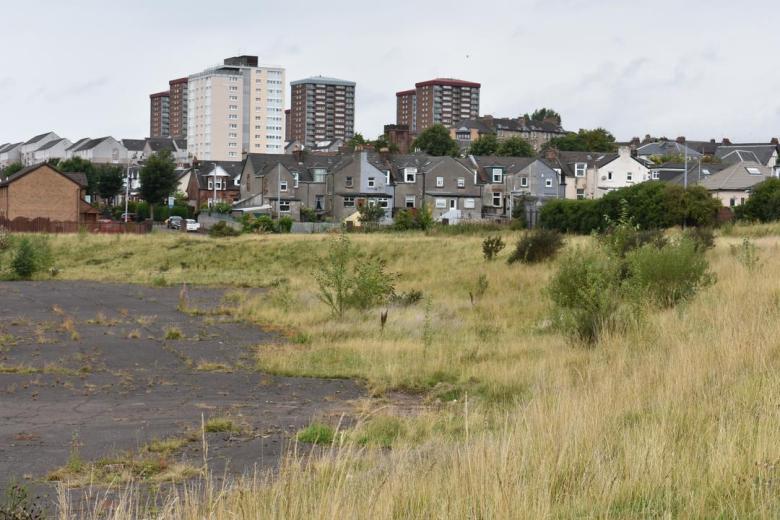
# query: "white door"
{"type": "Point", "coordinates": [453, 203]}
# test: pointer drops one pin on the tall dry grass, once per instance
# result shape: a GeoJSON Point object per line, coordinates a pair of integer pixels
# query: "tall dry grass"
{"type": "Point", "coordinates": [676, 418]}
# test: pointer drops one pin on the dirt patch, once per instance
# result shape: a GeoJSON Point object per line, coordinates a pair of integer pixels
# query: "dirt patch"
{"type": "Point", "coordinates": [110, 368]}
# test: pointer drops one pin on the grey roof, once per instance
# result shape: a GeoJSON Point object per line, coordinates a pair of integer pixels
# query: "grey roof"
{"type": "Point", "coordinates": [9, 146]}
{"type": "Point", "coordinates": [674, 173]}
{"type": "Point", "coordinates": [134, 145]}
{"type": "Point", "coordinates": [510, 165]}
{"type": "Point", "coordinates": [323, 80]}
{"type": "Point", "coordinates": [261, 164]}
{"type": "Point", "coordinates": [204, 168]}
{"type": "Point", "coordinates": [50, 144]}
{"type": "Point", "coordinates": [158, 144]}
{"type": "Point", "coordinates": [660, 148]}
{"type": "Point", "coordinates": [746, 152]}
{"type": "Point", "coordinates": [494, 124]}
{"type": "Point", "coordinates": [736, 177]}
{"type": "Point", "coordinates": [181, 144]}
{"type": "Point", "coordinates": [77, 144]}
{"type": "Point", "coordinates": [37, 138]}
{"type": "Point", "coordinates": [89, 144]}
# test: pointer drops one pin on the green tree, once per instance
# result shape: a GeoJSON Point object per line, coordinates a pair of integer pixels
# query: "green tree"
{"type": "Point", "coordinates": [383, 142]}
{"type": "Point", "coordinates": [436, 141]}
{"type": "Point", "coordinates": [357, 140]}
{"type": "Point", "coordinates": [597, 140]}
{"type": "Point", "coordinates": [486, 144]}
{"type": "Point", "coordinates": [371, 213]}
{"type": "Point", "coordinates": [763, 204]}
{"type": "Point", "coordinates": [515, 147]}
{"type": "Point", "coordinates": [158, 179]}
{"type": "Point", "coordinates": [11, 169]}
{"type": "Point", "coordinates": [544, 113]}
{"type": "Point", "coordinates": [79, 165]}
{"type": "Point", "coordinates": [111, 180]}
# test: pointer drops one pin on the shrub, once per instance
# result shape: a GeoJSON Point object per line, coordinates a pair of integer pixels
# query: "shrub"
{"type": "Point", "coordinates": [18, 505]}
{"type": "Point", "coordinates": [5, 239]}
{"type": "Point", "coordinates": [667, 275]}
{"type": "Point", "coordinates": [702, 237]}
{"type": "Point", "coordinates": [763, 204]}
{"type": "Point", "coordinates": [32, 256]}
{"type": "Point", "coordinates": [491, 246]}
{"type": "Point", "coordinates": [342, 284]}
{"type": "Point", "coordinates": [265, 224]}
{"type": "Point", "coordinates": [285, 224]}
{"type": "Point", "coordinates": [623, 235]}
{"type": "Point", "coordinates": [317, 433]}
{"type": "Point", "coordinates": [308, 215]}
{"type": "Point", "coordinates": [408, 298]}
{"type": "Point", "coordinates": [746, 254]}
{"type": "Point", "coordinates": [222, 207]}
{"type": "Point", "coordinates": [222, 229]}
{"type": "Point", "coordinates": [537, 246]}
{"type": "Point", "coordinates": [584, 293]}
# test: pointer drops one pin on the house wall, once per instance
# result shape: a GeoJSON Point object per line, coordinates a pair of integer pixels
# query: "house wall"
{"type": "Point", "coordinates": [44, 193]}
{"type": "Point", "coordinates": [450, 170]}
{"type": "Point", "coordinates": [537, 174]}
{"type": "Point", "coordinates": [11, 156]}
{"type": "Point", "coordinates": [739, 196]}
{"type": "Point", "coordinates": [620, 169]}
{"type": "Point", "coordinates": [28, 150]}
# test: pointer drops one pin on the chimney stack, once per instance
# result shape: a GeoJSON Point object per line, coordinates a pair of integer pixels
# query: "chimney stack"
{"type": "Point", "coordinates": [551, 154]}
{"type": "Point", "coordinates": [774, 141]}
{"type": "Point", "coordinates": [298, 154]}
{"type": "Point", "coordinates": [726, 140]}
{"type": "Point", "coordinates": [681, 140]}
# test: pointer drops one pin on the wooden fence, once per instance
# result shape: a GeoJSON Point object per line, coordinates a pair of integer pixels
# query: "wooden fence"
{"type": "Point", "coordinates": [45, 225]}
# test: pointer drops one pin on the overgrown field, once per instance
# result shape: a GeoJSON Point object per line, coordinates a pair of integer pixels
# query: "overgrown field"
{"type": "Point", "coordinates": [676, 416]}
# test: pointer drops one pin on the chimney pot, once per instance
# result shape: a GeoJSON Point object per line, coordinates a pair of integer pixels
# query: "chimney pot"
{"type": "Point", "coordinates": [726, 140]}
{"type": "Point", "coordinates": [774, 141]}
{"type": "Point", "coordinates": [681, 139]}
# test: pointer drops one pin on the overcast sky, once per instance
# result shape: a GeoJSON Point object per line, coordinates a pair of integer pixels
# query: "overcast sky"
{"type": "Point", "coordinates": [699, 68]}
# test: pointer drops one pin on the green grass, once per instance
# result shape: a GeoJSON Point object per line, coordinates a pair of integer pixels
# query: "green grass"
{"type": "Point", "coordinates": [221, 424]}
{"type": "Point", "coordinates": [317, 433]}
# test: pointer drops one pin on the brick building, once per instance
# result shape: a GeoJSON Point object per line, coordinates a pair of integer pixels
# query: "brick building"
{"type": "Point", "coordinates": [321, 109]}
{"type": "Point", "coordinates": [442, 101]}
{"type": "Point", "coordinates": [159, 114]}
{"type": "Point", "coordinates": [177, 120]}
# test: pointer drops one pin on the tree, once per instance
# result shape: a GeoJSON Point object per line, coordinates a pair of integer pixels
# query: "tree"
{"type": "Point", "coordinates": [597, 140]}
{"type": "Point", "coordinates": [763, 204]}
{"type": "Point", "coordinates": [436, 141]}
{"type": "Point", "coordinates": [544, 113]}
{"type": "Point", "coordinates": [357, 140]}
{"type": "Point", "coordinates": [371, 213]}
{"type": "Point", "coordinates": [486, 144]}
{"type": "Point", "coordinates": [79, 165]}
{"type": "Point", "coordinates": [111, 180]}
{"type": "Point", "coordinates": [158, 179]}
{"type": "Point", "coordinates": [515, 147]}
{"type": "Point", "coordinates": [11, 169]}
{"type": "Point", "coordinates": [382, 142]}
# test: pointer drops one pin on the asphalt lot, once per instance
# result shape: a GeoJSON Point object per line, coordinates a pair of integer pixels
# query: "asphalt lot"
{"type": "Point", "coordinates": [97, 365]}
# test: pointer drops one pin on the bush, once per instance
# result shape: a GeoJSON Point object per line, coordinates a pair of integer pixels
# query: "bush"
{"type": "Point", "coordinates": [5, 239]}
{"type": "Point", "coordinates": [222, 229]}
{"type": "Point", "coordinates": [667, 275]}
{"type": "Point", "coordinates": [285, 225]}
{"type": "Point", "coordinates": [413, 218]}
{"type": "Point", "coordinates": [702, 237]}
{"type": "Point", "coordinates": [585, 294]}
{"type": "Point", "coordinates": [537, 246]}
{"type": "Point", "coordinates": [308, 215]}
{"type": "Point", "coordinates": [623, 235]}
{"type": "Point", "coordinates": [408, 298]}
{"type": "Point", "coordinates": [746, 254]}
{"type": "Point", "coordinates": [763, 205]}
{"type": "Point", "coordinates": [32, 256]}
{"type": "Point", "coordinates": [491, 246]}
{"type": "Point", "coordinates": [223, 207]}
{"type": "Point", "coordinates": [317, 433]}
{"type": "Point", "coordinates": [343, 284]}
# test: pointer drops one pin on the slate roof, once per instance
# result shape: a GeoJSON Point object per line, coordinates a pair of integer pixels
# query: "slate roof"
{"type": "Point", "coordinates": [510, 165]}
{"type": "Point", "coordinates": [134, 145]}
{"type": "Point", "coordinates": [9, 146]}
{"type": "Point", "coordinates": [737, 177]}
{"type": "Point", "coordinates": [746, 152]}
{"type": "Point", "coordinates": [77, 144]}
{"type": "Point", "coordinates": [494, 124]}
{"type": "Point", "coordinates": [660, 148]}
{"type": "Point", "coordinates": [261, 164]}
{"type": "Point", "coordinates": [37, 138]}
{"type": "Point", "coordinates": [181, 144]}
{"type": "Point", "coordinates": [50, 144]}
{"type": "Point", "coordinates": [206, 168]}
{"type": "Point", "coordinates": [673, 172]}
{"type": "Point", "coordinates": [90, 144]}
{"type": "Point", "coordinates": [158, 144]}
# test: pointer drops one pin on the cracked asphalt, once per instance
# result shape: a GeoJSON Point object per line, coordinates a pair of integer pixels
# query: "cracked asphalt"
{"type": "Point", "coordinates": [100, 367]}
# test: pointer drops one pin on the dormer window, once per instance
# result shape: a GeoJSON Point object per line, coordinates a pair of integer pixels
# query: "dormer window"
{"type": "Point", "coordinates": [282, 185]}
{"type": "Point", "coordinates": [439, 182]}
{"type": "Point", "coordinates": [371, 182]}
{"type": "Point", "coordinates": [579, 169]}
{"type": "Point", "coordinates": [318, 174]}
{"type": "Point", "coordinates": [498, 175]}
{"type": "Point", "coordinates": [348, 182]}
{"type": "Point", "coordinates": [523, 182]}
{"type": "Point", "coordinates": [410, 175]}
{"type": "Point", "coordinates": [461, 182]}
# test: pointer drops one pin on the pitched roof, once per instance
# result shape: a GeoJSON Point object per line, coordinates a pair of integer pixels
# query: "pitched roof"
{"type": "Point", "coordinates": [157, 144]}
{"type": "Point", "coordinates": [661, 148]}
{"type": "Point", "coordinates": [674, 173]}
{"type": "Point", "coordinates": [78, 178]}
{"type": "Point", "coordinates": [90, 144]}
{"type": "Point", "coordinates": [746, 152]}
{"type": "Point", "coordinates": [37, 138]}
{"type": "Point", "coordinates": [494, 124]}
{"type": "Point", "coordinates": [261, 164]}
{"type": "Point", "coordinates": [51, 144]}
{"type": "Point", "coordinates": [739, 176]}
{"type": "Point", "coordinates": [77, 144]}
{"type": "Point", "coordinates": [10, 146]}
{"type": "Point", "coordinates": [134, 145]}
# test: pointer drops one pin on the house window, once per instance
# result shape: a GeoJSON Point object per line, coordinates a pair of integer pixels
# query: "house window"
{"type": "Point", "coordinates": [468, 203]}
{"type": "Point", "coordinates": [655, 175]}
{"type": "Point", "coordinates": [580, 194]}
{"type": "Point", "coordinates": [211, 184]}
{"type": "Point", "coordinates": [439, 182]}
{"type": "Point", "coordinates": [496, 200]}
{"type": "Point", "coordinates": [371, 182]}
{"type": "Point", "coordinates": [296, 179]}
{"type": "Point", "coordinates": [387, 177]}
{"type": "Point", "coordinates": [629, 176]}
{"type": "Point", "coordinates": [609, 176]}
{"type": "Point", "coordinates": [384, 203]}
{"type": "Point", "coordinates": [523, 182]}
{"type": "Point", "coordinates": [441, 203]}
{"type": "Point", "coordinates": [498, 175]}
{"type": "Point", "coordinates": [410, 174]}
{"type": "Point", "coordinates": [579, 169]}
{"type": "Point", "coordinates": [410, 201]}
{"type": "Point", "coordinates": [548, 183]}
{"type": "Point", "coordinates": [284, 206]}
{"type": "Point", "coordinates": [348, 182]}
{"type": "Point", "coordinates": [349, 202]}
{"type": "Point", "coordinates": [461, 182]}
{"type": "Point", "coordinates": [282, 185]}
{"type": "Point", "coordinates": [753, 171]}
{"type": "Point", "coordinates": [318, 174]}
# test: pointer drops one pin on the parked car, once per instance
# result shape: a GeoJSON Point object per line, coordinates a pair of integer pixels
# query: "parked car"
{"type": "Point", "coordinates": [174, 222]}
{"type": "Point", "coordinates": [192, 225]}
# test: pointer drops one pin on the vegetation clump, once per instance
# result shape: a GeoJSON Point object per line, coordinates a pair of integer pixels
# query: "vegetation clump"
{"type": "Point", "coordinates": [222, 229]}
{"type": "Point", "coordinates": [537, 246]}
{"type": "Point", "coordinates": [491, 247]}
{"type": "Point", "coordinates": [317, 433]}
{"type": "Point", "coordinates": [33, 255]}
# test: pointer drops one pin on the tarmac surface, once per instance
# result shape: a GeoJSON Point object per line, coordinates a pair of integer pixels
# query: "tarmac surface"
{"type": "Point", "coordinates": [98, 366]}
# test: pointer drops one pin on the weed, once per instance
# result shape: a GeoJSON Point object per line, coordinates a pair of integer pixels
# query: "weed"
{"type": "Point", "coordinates": [746, 254]}
{"type": "Point", "coordinates": [317, 433]}
{"type": "Point", "coordinates": [380, 431]}
{"type": "Point", "coordinates": [491, 247]}
{"type": "Point", "coordinates": [173, 333]}
{"type": "Point", "coordinates": [221, 424]}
